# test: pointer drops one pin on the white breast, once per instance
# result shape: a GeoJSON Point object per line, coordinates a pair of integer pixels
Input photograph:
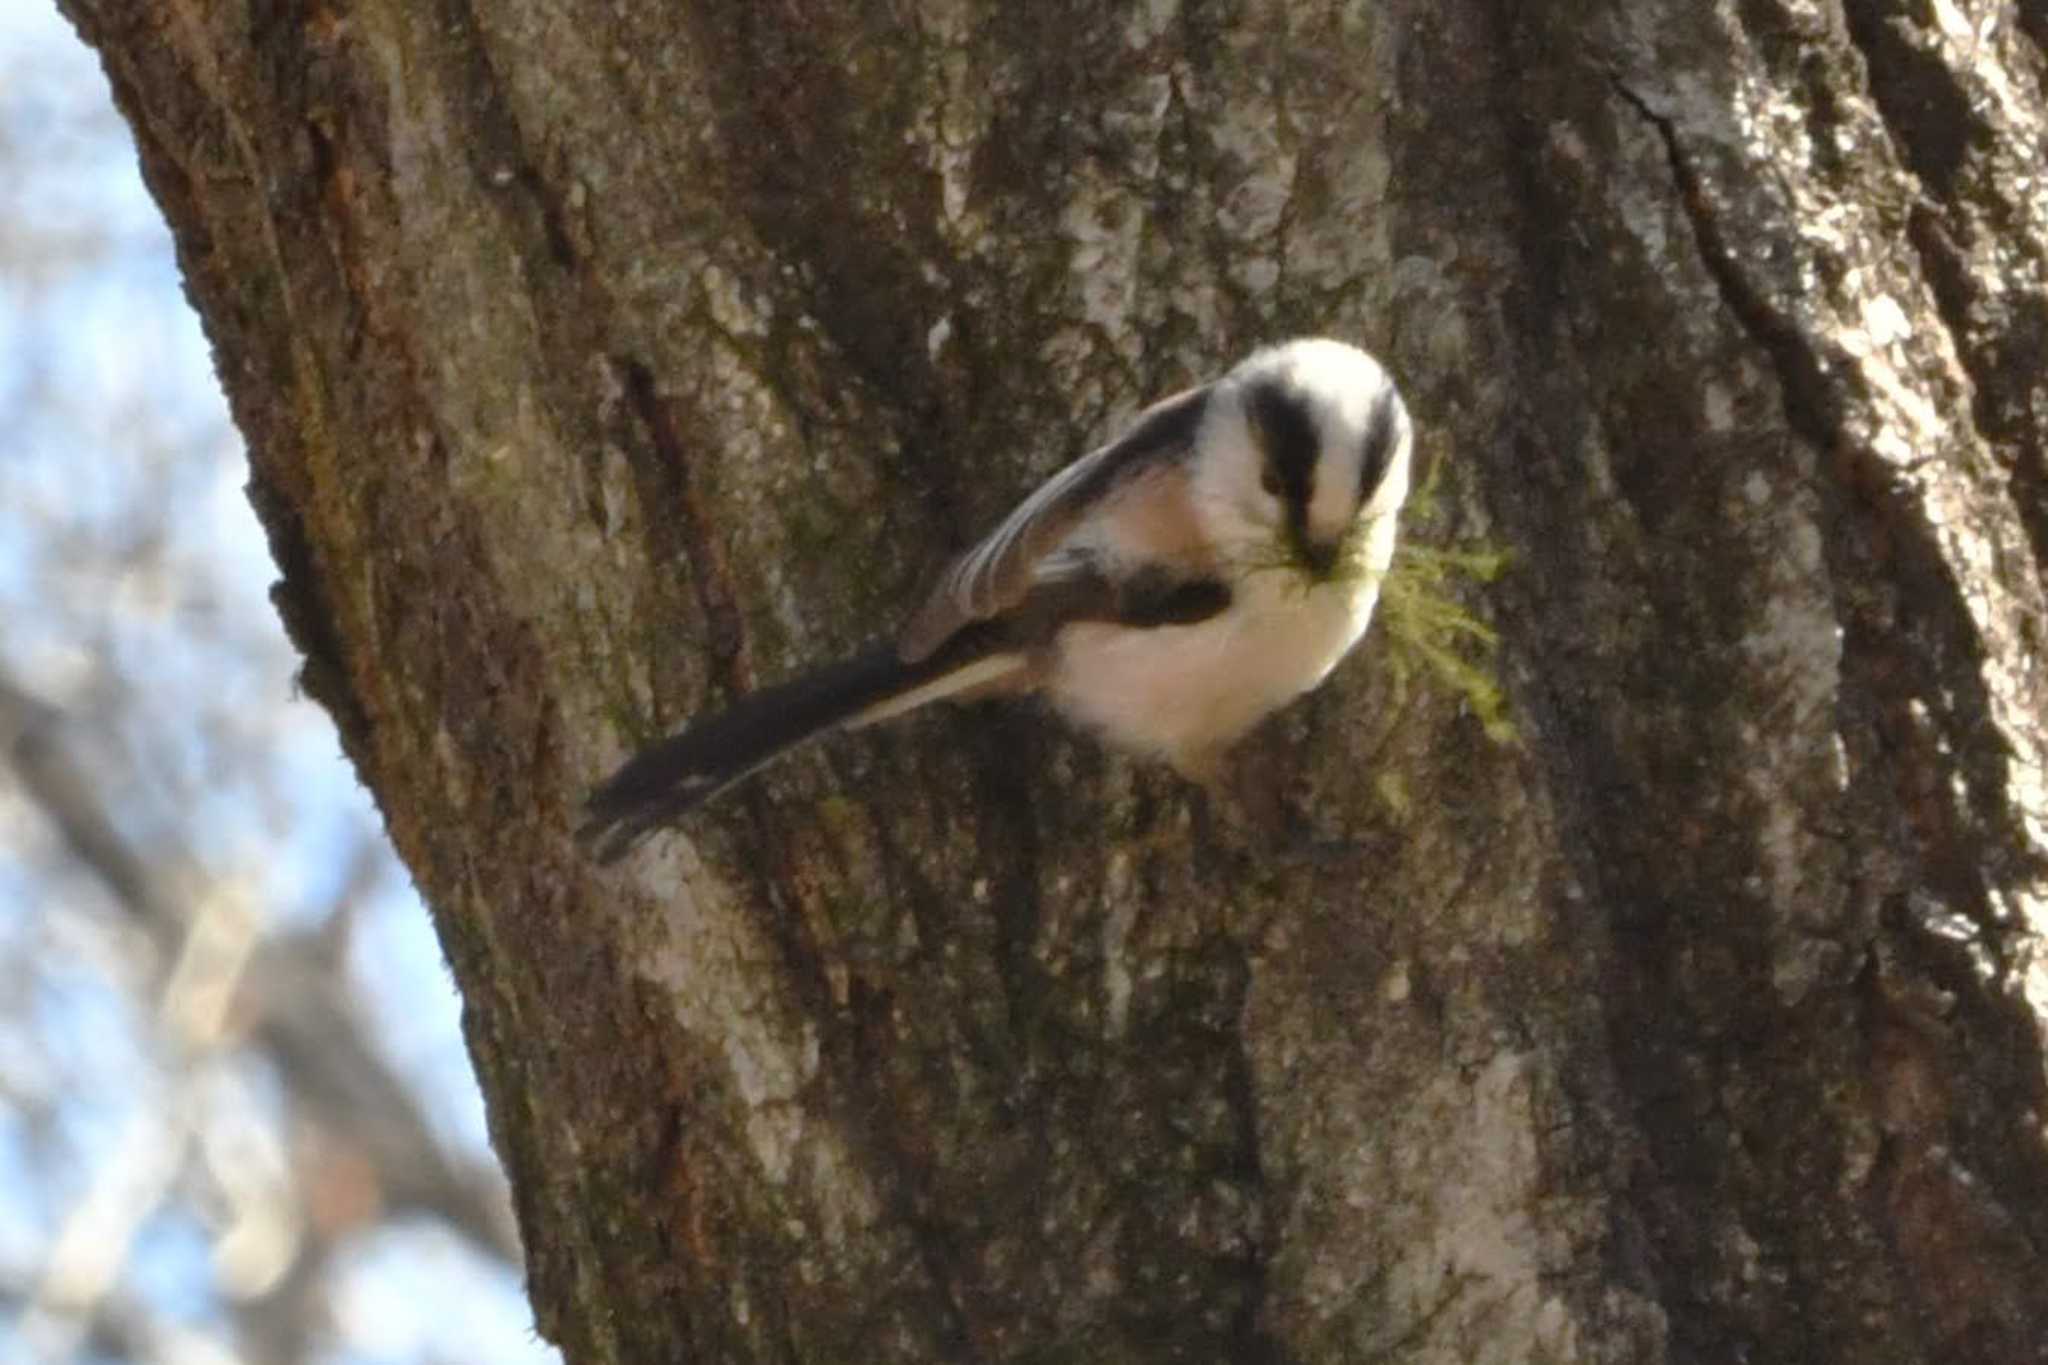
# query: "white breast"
{"type": "Point", "coordinates": [1187, 692]}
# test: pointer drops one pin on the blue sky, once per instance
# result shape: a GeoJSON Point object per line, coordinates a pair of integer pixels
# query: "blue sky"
{"type": "Point", "coordinates": [133, 582]}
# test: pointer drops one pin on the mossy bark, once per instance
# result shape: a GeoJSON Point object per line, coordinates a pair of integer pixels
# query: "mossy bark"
{"type": "Point", "coordinates": [597, 361]}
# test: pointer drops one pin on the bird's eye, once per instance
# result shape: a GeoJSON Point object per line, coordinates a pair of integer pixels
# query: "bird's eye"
{"type": "Point", "coordinates": [1269, 479]}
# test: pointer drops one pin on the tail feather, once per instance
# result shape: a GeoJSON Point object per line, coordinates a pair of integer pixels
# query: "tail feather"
{"type": "Point", "coordinates": [663, 782]}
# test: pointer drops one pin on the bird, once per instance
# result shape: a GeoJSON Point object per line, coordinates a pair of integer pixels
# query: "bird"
{"type": "Point", "coordinates": [1167, 590]}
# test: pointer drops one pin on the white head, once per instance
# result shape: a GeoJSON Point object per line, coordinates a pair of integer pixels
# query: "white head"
{"type": "Point", "coordinates": [1301, 445]}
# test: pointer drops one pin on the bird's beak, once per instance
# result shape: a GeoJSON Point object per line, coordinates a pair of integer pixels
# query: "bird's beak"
{"type": "Point", "coordinates": [1319, 557]}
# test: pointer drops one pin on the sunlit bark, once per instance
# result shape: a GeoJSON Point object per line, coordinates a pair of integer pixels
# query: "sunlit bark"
{"type": "Point", "coordinates": [597, 361]}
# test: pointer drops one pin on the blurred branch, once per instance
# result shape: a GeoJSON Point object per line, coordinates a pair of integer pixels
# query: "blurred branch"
{"type": "Point", "coordinates": [363, 1147]}
{"type": "Point", "coordinates": [59, 787]}
{"type": "Point", "coordinates": [122, 1329]}
{"type": "Point", "coordinates": [86, 1260]}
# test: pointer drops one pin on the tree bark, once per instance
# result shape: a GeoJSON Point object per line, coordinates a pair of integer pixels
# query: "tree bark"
{"type": "Point", "coordinates": [599, 361]}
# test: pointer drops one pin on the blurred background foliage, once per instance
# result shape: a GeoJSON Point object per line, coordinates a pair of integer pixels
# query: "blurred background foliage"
{"type": "Point", "coordinates": [236, 1119]}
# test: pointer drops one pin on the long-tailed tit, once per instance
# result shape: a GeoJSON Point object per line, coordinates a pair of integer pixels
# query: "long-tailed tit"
{"type": "Point", "coordinates": [1168, 590]}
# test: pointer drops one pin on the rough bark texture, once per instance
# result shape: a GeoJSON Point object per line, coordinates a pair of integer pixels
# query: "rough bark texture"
{"type": "Point", "coordinates": [597, 360]}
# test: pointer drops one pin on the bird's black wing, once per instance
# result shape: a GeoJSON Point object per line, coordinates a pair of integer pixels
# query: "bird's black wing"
{"type": "Point", "coordinates": [999, 572]}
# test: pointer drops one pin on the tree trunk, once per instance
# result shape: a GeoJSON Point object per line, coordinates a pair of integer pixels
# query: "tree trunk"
{"type": "Point", "coordinates": [600, 361]}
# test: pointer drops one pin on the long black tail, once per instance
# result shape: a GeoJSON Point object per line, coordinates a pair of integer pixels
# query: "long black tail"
{"type": "Point", "coordinates": [664, 781]}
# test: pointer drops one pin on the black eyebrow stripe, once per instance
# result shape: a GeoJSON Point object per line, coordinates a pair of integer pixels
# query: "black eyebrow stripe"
{"type": "Point", "coordinates": [1382, 434]}
{"type": "Point", "coordinates": [1288, 434]}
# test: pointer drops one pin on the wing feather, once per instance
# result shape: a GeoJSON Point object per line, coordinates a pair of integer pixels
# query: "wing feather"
{"type": "Point", "coordinates": [994, 575]}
